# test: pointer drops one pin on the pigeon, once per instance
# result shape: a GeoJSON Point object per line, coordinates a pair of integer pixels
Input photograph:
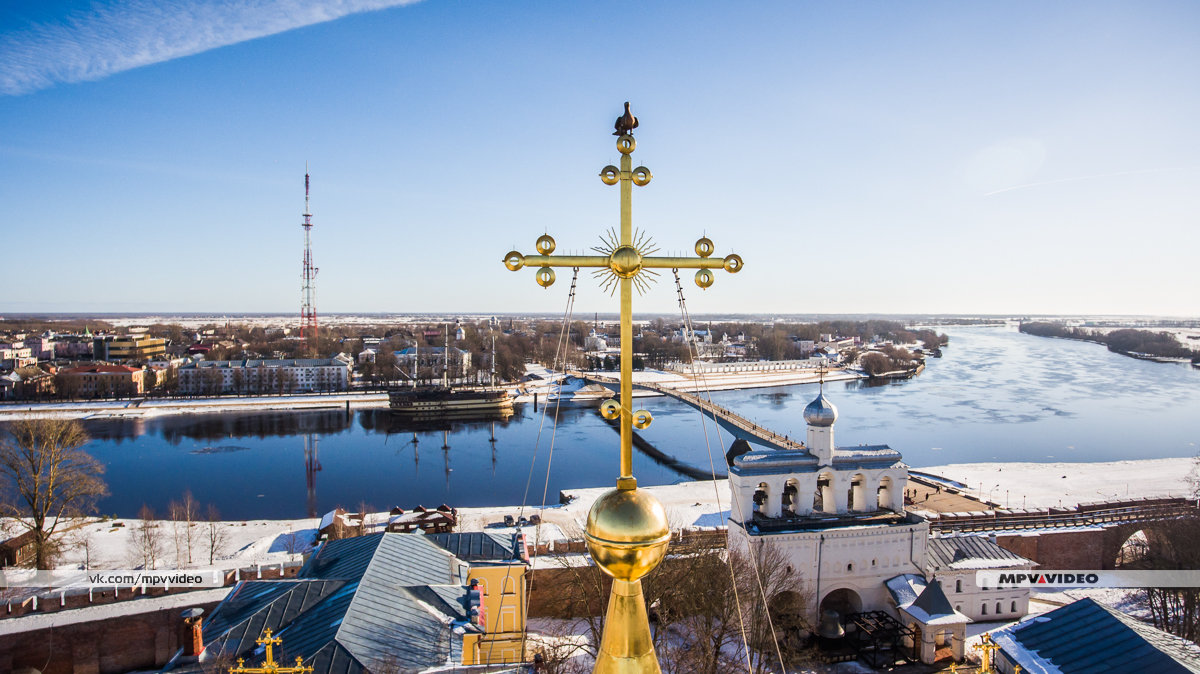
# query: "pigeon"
{"type": "Point", "coordinates": [626, 123]}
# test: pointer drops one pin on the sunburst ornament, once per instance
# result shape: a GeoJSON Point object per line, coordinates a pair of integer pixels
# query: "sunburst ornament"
{"type": "Point", "coordinates": [625, 261]}
{"type": "Point", "coordinates": [627, 532]}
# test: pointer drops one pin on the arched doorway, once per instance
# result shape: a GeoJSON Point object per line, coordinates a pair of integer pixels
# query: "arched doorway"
{"type": "Point", "coordinates": [856, 497]}
{"type": "Point", "coordinates": [823, 496]}
{"type": "Point", "coordinates": [843, 600]}
{"type": "Point", "coordinates": [1135, 548]}
{"type": "Point", "coordinates": [884, 492]}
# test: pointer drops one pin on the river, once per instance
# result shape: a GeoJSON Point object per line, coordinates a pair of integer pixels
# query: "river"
{"type": "Point", "coordinates": [997, 395]}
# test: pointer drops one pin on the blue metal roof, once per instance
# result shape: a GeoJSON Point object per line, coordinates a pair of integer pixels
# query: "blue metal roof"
{"type": "Point", "coordinates": [359, 603]}
{"type": "Point", "coordinates": [478, 546]}
{"type": "Point", "coordinates": [1085, 637]}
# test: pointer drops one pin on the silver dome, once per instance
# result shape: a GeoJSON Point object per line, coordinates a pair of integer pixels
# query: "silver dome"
{"type": "Point", "coordinates": [820, 412]}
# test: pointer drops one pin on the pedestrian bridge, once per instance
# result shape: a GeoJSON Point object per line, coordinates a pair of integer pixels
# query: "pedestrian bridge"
{"type": "Point", "coordinates": [735, 424]}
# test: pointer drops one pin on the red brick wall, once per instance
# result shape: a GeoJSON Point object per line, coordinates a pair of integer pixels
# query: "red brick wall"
{"type": "Point", "coordinates": [139, 641]}
{"type": "Point", "coordinates": [1066, 550]}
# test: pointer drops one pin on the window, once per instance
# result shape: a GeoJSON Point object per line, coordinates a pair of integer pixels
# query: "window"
{"type": "Point", "coordinates": [997, 608]}
{"type": "Point", "coordinates": [849, 567]}
{"type": "Point", "coordinates": [983, 610]}
{"type": "Point", "coordinates": [958, 585]}
{"type": "Point", "coordinates": [1014, 607]}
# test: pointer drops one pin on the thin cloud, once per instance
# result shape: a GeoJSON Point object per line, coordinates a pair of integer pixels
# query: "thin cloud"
{"type": "Point", "coordinates": [112, 38]}
{"type": "Point", "coordinates": [1075, 179]}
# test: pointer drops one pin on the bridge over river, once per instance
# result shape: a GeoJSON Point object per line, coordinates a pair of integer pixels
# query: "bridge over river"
{"type": "Point", "coordinates": [735, 424]}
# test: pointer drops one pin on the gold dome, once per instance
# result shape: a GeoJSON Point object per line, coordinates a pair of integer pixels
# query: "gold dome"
{"type": "Point", "coordinates": [627, 533]}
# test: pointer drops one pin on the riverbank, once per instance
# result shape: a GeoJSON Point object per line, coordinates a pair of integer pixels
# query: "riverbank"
{"type": "Point", "coordinates": [151, 407]}
{"type": "Point", "coordinates": [692, 505]}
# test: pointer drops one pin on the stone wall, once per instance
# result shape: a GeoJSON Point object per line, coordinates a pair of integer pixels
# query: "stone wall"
{"type": "Point", "coordinates": [111, 646]}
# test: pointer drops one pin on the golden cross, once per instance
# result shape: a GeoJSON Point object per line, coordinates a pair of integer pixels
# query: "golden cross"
{"type": "Point", "coordinates": [269, 666]}
{"type": "Point", "coordinates": [621, 262]}
{"type": "Point", "coordinates": [986, 647]}
{"type": "Point", "coordinates": [627, 531]}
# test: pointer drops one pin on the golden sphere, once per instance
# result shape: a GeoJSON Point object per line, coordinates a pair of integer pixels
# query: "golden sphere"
{"type": "Point", "coordinates": [641, 176]}
{"type": "Point", "coordinates": [733, 263]}
{"type": "Point", "coordinates": [704, 278]}
{"type": "Point", "coordinates": [514, 260]}
{"type": "Point", "coordinates": [545, 244]}
{"type": "Point", "coordinates": [704, 246]}
{"type": "Point", "coordinates": [625, 261]}
{"type": "Point", "coordinates": [627, 533]}
{"type": "Point", "coordinates": [545, 277]}
{"type": "Point", "coordinates": [626, 144]}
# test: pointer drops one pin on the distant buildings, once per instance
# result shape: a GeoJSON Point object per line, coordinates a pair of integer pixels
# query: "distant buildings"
{"type": "Point", "coordinates": [433, 357]}
{"type": "Point", "coordinates": [99, 381]}
{"type": "Point", "coordinates": [300, 375]}
{"type": "Point", "coordinates": [128, 348]}
{"type": "Point", "coordinates": [14, 355]}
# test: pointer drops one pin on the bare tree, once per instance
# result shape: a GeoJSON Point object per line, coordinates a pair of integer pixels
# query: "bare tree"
{"type": "Point", "coordinates": [295, 543]}
{"type": "Point", "coordinates": [218, 538]}
{"type": "Point", "coordinates": [189, 512]}
{"type": "Point", "coordinates": [146, 543]}
{"type": "Point", "coordinates": [47, 478]}
{"type": "Point", "coordinates": [710, 600]}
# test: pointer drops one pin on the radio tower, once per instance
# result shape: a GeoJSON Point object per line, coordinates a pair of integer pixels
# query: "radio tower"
{"type": "Point", "coordinates": [308, 308]}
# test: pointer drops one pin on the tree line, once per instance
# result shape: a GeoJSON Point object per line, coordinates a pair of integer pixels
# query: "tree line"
{"type": "Point", "coordinates": [1126, 341]}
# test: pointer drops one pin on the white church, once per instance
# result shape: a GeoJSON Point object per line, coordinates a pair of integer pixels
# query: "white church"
{"type": "Point", "coordinates": [838, 514]}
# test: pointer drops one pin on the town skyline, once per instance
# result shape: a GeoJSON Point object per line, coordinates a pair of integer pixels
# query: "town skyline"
{"type": "Point", "coordinates": [935, 159]}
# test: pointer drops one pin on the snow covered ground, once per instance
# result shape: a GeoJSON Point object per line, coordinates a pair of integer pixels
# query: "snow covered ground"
{"type": "Point", "coordinates": [1035, 485]}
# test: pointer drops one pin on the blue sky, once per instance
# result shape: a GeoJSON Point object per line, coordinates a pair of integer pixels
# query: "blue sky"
{"type": "Point", "coordinates": [948, 157]}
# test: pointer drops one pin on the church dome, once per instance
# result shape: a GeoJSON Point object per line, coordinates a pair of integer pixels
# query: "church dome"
{"type": "Point", "coordinates": [820, 412]}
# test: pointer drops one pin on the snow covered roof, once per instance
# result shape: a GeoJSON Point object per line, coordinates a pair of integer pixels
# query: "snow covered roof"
{"type": "Point", "coordinates": [776, 461]}
{"type": "Point", "coordinates": [1085, 636]}
{"type": "Point", "coordinates": [925, 601]}
{"type": "Point", "coordinates": [356, 600]}
{"type": "Point", "coordinates": [970, 552]}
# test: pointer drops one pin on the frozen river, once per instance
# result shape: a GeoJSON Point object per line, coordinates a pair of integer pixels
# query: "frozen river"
{"type": "Point", "coordinates": [997, 395]}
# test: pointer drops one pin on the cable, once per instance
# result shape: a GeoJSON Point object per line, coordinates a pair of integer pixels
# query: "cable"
{"type": "Point", "coordinates": [735, 503]}
{"type": "Point", "coordinates": [560, 353]}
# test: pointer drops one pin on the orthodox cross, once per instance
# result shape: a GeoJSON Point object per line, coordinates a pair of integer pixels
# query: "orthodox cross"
{"type": "Point", "coordinates": [627, 532]}
{"type": "Point", "coordinates": [625, 260]}
{"type": "Point", "coordinates": [268, 665]}
{"type": "Point", "coordinates": [986, 648]}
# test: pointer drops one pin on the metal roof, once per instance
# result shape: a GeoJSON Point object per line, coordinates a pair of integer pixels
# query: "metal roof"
{"type": "Point", "coordinates": [478, 546]}
{"type": "Point", "coordinates": [359, 603]}
{"type": "Point", "coordinates": [969, 552]}
{"type": "Point", "coordinates": [1085, 637]}
{"type": "Point", "coordinates": [933, 600]}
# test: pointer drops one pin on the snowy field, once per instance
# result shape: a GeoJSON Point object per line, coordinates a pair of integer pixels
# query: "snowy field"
{"type": "Point", "coordinates": [1039, 485]}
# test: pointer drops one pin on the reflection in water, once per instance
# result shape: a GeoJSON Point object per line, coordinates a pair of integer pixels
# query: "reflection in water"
{"type": "Point", "coordinates": [997, 395]}
{"type": "Point", "coordinates": [312, 464]}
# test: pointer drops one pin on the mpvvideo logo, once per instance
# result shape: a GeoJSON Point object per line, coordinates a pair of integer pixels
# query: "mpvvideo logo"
{"type": "Point", "coordinates": [1079, 579]}
{"type": "Point", "coordinates": [1083, 579]}
{"type": "Point", "coordinates": [65, 578]}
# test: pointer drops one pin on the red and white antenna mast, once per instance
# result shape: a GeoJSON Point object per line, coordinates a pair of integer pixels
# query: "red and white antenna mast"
{"type": "Point", "coordinates": [308, 307]}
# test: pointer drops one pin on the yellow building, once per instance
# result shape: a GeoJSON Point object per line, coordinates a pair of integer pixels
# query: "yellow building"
{"type": "Point", "coordinates": [502, 586]}
{"type": "Point", "coordinates": [130, 347]}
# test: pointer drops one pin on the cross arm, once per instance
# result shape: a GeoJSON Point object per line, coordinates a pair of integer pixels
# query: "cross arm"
{"type": "Point", "coordinates": [731, 263]}
{"type": "Point", "coordinates": [515, 260]}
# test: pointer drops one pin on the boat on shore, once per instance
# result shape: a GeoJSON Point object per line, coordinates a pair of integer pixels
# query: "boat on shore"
{"type": "Point", "coordinates": [428, 402]}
